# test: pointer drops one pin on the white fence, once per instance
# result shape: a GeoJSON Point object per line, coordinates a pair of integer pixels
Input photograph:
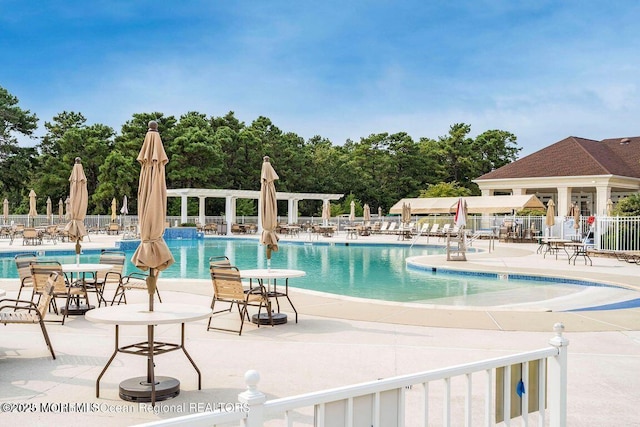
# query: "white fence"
{"type": "Point", "coordinates": [540, 376]}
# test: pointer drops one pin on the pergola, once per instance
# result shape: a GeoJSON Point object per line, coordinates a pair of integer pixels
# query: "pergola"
{"type": "Point", "coordinates": [231, 196]}
{"type": "Point", "coordinates": [475, 204]}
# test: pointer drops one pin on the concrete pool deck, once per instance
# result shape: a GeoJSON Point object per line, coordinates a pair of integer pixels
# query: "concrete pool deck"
{"type": "Point", "coordinates": [337, 341]}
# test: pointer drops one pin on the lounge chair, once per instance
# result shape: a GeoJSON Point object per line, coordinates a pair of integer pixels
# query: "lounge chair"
{"type": "Point", "coordinates": [434, 229]}
{"type": "Point", "coordinates": [104, 277]}
{"type": "Point", "coordinates": [113, 228]}
{"type": "Point", "coordinates": [392, 228]}
{"type": "Point", "coordinates": [41, 271]}
{"type": "Point", "coordinates": [227, 287]}
{"type": "Point", "coordinates": [23, 265]}
{"type": "Point", "coordinates": [16, 311]}
{"type": "Point", "coordinates": [31, 236]}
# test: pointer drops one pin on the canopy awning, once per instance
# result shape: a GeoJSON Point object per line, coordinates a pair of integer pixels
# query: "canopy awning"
{"type": "Point", "coordinates": [475, 204]}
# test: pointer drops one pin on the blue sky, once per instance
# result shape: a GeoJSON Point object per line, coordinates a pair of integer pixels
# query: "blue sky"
{"type": "Point", "coordinates": [542, 70]}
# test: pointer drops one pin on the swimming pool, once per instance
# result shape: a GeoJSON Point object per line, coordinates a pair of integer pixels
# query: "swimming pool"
{"type": "Point", "coordinates": [376, 271]}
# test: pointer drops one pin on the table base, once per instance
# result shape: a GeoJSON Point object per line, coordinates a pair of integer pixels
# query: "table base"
{"type": "Point", "coordinates": [77, 309]}
{"type": "Point", "coordinates": [139, 389]}
{"type": "Point", "coordinates": [263, 319]}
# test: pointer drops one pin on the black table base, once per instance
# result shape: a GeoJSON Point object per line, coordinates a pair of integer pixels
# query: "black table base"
{"type": "Point", "coordinates": [263, 319]}
{"type": "Point", "coordinates": [139, 389]}
{"type": "Point", "coordinates": [77, 309]}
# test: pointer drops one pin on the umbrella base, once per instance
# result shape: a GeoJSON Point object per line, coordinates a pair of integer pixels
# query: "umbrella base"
{"type": "Point", "coordinates": [139, 390]}
{"type": "Point", "coordinates": [77, 309]}
{"type": "Point", "coordinates": [263, 319]}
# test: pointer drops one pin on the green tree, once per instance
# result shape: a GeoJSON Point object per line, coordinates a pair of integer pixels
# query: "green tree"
{"type": "Point", "coordinates": [628, 206]}
{"type": "Point", "coordinates": [445, 189]}
{"type": "Point", "coordinates": [119, 174]}
{"type": "Point", "coordinates": [16, 163]}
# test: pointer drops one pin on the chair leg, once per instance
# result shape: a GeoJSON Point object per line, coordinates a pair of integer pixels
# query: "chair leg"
{"type": "Point", "coordinates": [46, 338]}
{"type": "Point", "coordinates": [158, 292]}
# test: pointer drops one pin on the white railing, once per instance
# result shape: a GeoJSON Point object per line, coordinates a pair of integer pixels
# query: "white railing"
{"type": "Point", "coordinates": [386, 402]}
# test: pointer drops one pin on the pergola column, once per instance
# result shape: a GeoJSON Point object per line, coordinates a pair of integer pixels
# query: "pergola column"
{"type": "Point", "coordinates": [183, 209]}
{"type": "Point", "coordinates": [564, 201]}
{"type": "Point", "coordinates": [230, 212]}
{"type": "Point", "coordinates": [487, 192]}
{"type": "Point", "coordinates": [292, 214]}
{"type": "Point", "coordinates": [201, 213]}
{"type": "Point", "coordinates": [518, 191]}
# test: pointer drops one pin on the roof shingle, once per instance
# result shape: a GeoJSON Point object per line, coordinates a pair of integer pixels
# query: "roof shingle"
{"type": "Point", "coordinates": [574, 156]}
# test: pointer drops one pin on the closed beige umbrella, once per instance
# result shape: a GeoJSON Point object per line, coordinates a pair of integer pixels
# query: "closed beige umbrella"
{"type": "Point", "coordinates": [352, 212]}
{"type": "Point", "coordinates": [152, 254]}
{"type": "Point", "coordinates": [67, 205]}
{"type": "Point", "coordinates": [576, 219]}
{"type": "Point", "coordinates": [32, 207]}
{"type": "Point", "coordinates": [49, 211]}
{"type": "Point", "coordinates": [326, 213]}
{"type": "Point", "coordinates": [60, 210]}
{"type": "Point", "coordinates": [79, 198]}
{"type": "Point", "coordinates": [268, 208]}
{"type": "Point", "coordinates": [609, 207]}
{"type": "Point", "coordinates": [5, 210]}
{"type": "Point", "coordinates": [366, 213]}
{"type": "Point", "coordinates": [114, 207]}
{"type": "Point", "coordinates": [550, 219]}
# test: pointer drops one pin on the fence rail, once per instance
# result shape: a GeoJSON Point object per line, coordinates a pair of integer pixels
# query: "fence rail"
{"type": "Point", "coordinates": [385, 403]}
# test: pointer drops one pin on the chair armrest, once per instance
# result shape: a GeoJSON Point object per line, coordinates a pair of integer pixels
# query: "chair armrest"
{"type": "Point", "coordinates": [27, 305]}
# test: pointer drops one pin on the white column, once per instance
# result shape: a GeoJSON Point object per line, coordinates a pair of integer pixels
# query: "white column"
{"type": "Point", "coordinates": [295, 211]}
{"type": "Point", "coordinates": [291, 211]}
{"type": "Point", "coordinates": [518, 191]}
{"type": "Point", "coordinates": [183, 209]}
{"type": "Point", "coordinates": [230, 212]}
{"type": "Point", "coordinates": [201, 215]}
{"type": "Point", "coordinates": [487, 192]}
{"type": "Point", "coordinates": [564, 201]}
{"type": "Point", "coordinates": [603, 193]}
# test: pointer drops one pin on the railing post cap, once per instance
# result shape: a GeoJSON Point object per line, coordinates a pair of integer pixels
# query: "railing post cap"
{"type": "Point", "coordinates": [558, 340]}
{"type": "Point", "coordinates": [252, 395]}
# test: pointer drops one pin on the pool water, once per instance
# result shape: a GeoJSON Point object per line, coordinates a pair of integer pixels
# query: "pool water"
{"type": "Point", "coordinates": [366, 271]}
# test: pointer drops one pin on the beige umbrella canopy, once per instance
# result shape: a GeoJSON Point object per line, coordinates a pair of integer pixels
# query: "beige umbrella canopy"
{"type": "Point", "coordinates": [67, 205]}
{"type": "Point", "coordinates": [366, 213]}
{"type": "Point", "coordinates": [114, 207]}
{"type": "Point", "coordinates": [32, 206]}
{"type": "Point", "coordinates": [152, 254]}
{"type": "Point", "coordinates": [576, 218]}
{"type": "Point", "coordinates": [49, 211]}
{"type": "Point", "coordinates": [268, 208]}
{"type": "Point", "coordinates": [550, 219]}
{"type": "Point", "coordinates": [326, 212]}
{"type": "Point", "coordinates": [5, 210]}
{"type": "Point", "coordinates": [406, 213]}
{"type": "Point", "coordinates": [60, 210]}
{"type": "Point", "coordinates": [79, 198]}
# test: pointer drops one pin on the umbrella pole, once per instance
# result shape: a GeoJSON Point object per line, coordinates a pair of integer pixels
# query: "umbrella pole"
{"type": "Point", "coordinates": [151, 286]}
{"type": "Point", "coordinates": [268, 258]}
{"type": "Point", "coordinates": [78, 249]}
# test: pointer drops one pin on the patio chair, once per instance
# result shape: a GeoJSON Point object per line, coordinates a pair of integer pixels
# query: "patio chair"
{"type": "Point", "coordinates": [227, 287]}
{"type": "Point", "coordinates": [113, 228]}
{"type": "Point", "coordinates": [41, 271]}
{"type": "Point", "coordinates": [16, 311]}
{"type": "Point", "coordinates": [219, 261]}
{"type": "Point", "coordinates": [132, 281]}
{"type": "Point", "coordinates": [111, 276]}
{"type": "Point", "coordinates": [23, 265]}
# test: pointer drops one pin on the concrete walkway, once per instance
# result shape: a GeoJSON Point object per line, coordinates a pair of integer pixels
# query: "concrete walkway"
{"type": "Point", "coordinates": [337, 341]}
